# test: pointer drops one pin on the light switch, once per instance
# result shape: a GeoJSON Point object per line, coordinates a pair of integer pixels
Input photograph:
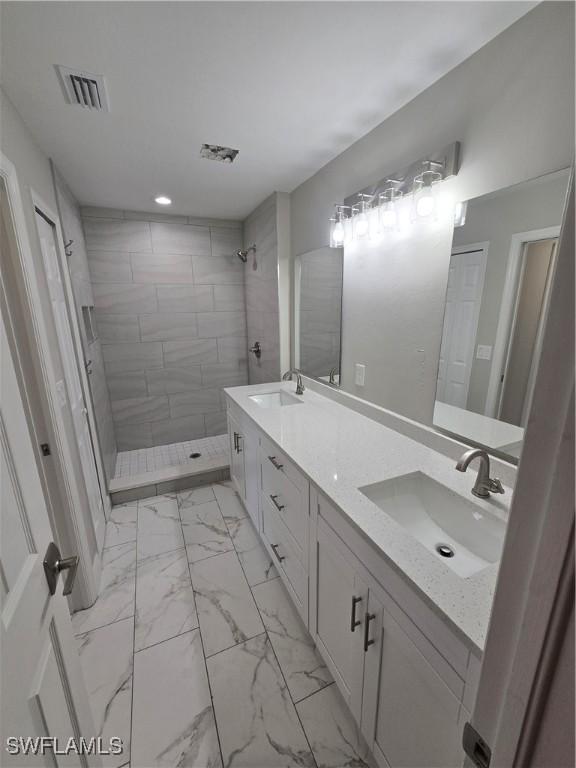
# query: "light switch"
{"type": "Point", "coordinates": [360, 374]}
{"type": "Point", "coordinates": [483, 352]}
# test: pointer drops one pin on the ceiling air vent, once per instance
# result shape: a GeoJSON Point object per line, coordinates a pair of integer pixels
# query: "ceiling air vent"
{"type": "Point", "coordinates": [84, 89]}
{"type": "Point", "coordinates": [216, 152]}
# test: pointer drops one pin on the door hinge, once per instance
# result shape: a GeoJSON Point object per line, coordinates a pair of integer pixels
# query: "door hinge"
{"type": "Point", "coordinates": [45, 448]}
{"type": "Point", "coordinates": [475, 747]}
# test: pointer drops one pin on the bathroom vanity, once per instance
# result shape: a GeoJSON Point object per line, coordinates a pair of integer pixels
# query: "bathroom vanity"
{"type": "Point", "coordinates": [389, 559]}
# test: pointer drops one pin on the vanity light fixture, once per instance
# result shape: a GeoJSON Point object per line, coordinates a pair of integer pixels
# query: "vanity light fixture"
{"type": "Point", "coordinates": [387, 204]}
{"type": "Point", "coordinates": [163, 200]}
{"type": "Point", "coordinates": [361, 222]}
{"type": "Point", "coordinates": [424, 188]}
{"type": "Point", "coordinates": [338, 230]}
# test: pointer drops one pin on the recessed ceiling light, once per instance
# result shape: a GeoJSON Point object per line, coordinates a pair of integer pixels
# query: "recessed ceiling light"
{"type": "Point", "coordinates": [163, 200]}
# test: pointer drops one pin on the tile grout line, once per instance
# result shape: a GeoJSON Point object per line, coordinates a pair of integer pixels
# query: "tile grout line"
{"type": "Point", "coordinates": [202, 638]}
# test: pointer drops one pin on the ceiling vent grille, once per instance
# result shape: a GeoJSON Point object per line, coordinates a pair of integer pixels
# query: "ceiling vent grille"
{"type": "Point", "coordinates": [84, 89]}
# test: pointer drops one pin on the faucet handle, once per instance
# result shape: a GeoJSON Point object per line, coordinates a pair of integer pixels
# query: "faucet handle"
{"type": "Point", "coordinates": [495, 486]}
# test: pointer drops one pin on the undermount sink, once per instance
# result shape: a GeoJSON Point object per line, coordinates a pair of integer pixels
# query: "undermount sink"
{"type": "Point", "coordinates": [275, 399]}
{"type": "Point", "coordinates": [457, 531]}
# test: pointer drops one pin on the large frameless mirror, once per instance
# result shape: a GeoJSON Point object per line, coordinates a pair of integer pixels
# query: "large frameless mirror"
{"type": "Point", "coordinates": [502, 260]}
{"type": "Point", "coordinates": [318, 313]}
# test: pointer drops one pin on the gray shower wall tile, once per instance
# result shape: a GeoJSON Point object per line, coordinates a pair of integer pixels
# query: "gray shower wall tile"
{"type": "Point", "coordinates": [214, 325]}
{"type": "Point", "coordinates": [168, 326]}
{"type": "Point", "coordinates": [117, 235]}
{"type": "Point", "coordinates": [116, 328]}
{"type": "Point", "coordinates": [109, 267]}
{"type": "Point", "coordinates": [216, 423]}
{"type": "Point", "coordinates": [124, 298]}
{"type": "Point", "coordinates": [229, 298]}
{"type": "Point", "coordinates": [126, 385]}
{"type": "Point", "coordinates": [133, 436]}
{"type": "Point", "coordinates": [197, 402]}
{"type": "Point", "coordinates": [180, 238]}
{"type": "Point", "coordinates": [217, 270]}
{"type": "Point", "coordinates": [140, 410]}
{"type": "Point", "coordinates": [132, 357]}
{"type": "Point", "coordinates": [169, 381]}
{"type": "Point", "coordinates": [159, 268]}
{"type": "Point", "coordinates": [186, 298]}
{"type": "Point", "coordinates": [225, 242]}
{"type": "Point", "coordinates": [181, 354]}
{"type": "Point", "coordinates": [224, 374]}
{"type": "Point", "coordinates": [177, 430]}
{"type": "Point", "coordinates": [233, 349]}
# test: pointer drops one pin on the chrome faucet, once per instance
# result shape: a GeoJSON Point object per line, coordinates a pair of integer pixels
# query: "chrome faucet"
{"type": "Point", "coordinates": [484, 485]}
{"type": "Point", "coordinates": [299, 383]}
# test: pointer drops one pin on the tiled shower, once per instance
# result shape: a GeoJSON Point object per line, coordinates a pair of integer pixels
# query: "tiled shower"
{"type": "Point", "coordinates": [170, 306]}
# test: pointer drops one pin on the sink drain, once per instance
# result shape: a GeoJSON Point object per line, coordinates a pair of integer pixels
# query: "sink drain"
{"type": "Point", "coordinates": [195, 455]}
{"type": "Point", "coordinates": [444, 550]}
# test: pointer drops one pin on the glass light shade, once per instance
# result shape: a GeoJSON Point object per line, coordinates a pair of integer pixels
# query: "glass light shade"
{"type": "Point", "coordinates": [337, 233]}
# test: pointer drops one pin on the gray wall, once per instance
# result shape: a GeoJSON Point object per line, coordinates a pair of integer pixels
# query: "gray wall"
{"type": "Point", "coordinates": [262, 301]}
{"type": "Point", "coordinates": [170, 308]}
{"type": "Point", "coordinates": [495, 219]}
{"type": "Point", "coordinates": [511, 105]}
{"type": "Point", "coordinates": [80, 278]}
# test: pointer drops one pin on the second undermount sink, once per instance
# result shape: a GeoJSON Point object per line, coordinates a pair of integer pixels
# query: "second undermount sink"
{"type": "Point", "coordinates": [459, 532]}
{"type": "Point", "coordinates": [275, 399]}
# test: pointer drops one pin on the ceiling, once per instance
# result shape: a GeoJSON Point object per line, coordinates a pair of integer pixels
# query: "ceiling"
{"type": "Point", "coordinates": [289, 84]}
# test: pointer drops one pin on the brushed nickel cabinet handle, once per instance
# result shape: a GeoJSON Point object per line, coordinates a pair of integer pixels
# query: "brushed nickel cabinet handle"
{"type": "Point", "coordinates": [275, 462]}
{"type": "Point", "coordinates": [279, 507]}
{"type": "Point", "coordinates": [367, 643]}
{"type": "Point", "coordinates": [354, 622]}
{"type": "Point", "coordinates": [275, 550]}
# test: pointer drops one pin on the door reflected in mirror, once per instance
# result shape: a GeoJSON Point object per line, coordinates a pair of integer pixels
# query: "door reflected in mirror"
{"type": "Point", "coordinates": [503, 257]}
{"type": "Point", "coordinates": [318, 313]}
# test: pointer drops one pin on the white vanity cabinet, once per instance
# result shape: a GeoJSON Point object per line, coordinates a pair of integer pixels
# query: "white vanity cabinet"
{"type": "Point", "coordinates": [244, 462]}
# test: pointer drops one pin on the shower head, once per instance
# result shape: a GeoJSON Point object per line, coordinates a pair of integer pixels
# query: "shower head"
{"type": "Point", "coordinates": [243, 255]}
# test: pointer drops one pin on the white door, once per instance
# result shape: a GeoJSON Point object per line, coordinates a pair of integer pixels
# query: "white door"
{"type": "Point", "coordinates": [72, 392]}
{"type": "Point", "coordinates": [43, 692]}
{"type": "Point", "coordinates": [341, 607]}
{"type": "Point", "coordinates": [463, 299]}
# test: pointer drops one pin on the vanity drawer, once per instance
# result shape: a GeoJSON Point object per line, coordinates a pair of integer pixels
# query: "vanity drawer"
{"type": "Point", "coordinates": [286, 556]}
{"type": "Point", "coordinates": [290, 502]}
{"type": "Point", "coordinates": [282, 465]}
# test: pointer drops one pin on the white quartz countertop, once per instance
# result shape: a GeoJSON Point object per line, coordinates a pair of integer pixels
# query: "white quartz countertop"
{"type": "Point", "coordinates": [340, 451]}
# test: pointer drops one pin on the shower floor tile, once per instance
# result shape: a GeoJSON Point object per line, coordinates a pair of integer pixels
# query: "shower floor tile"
{"type": "Point", "coordinates": [213, 450]}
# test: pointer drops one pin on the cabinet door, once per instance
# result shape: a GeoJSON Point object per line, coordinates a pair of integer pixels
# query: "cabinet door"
{"type": "Point", "coordinates": [417, 716]}
{"type": "Point", "coordinates": [251, 457]}
{"type": "Point", "coordinates": [237, 456]}
{"type": "Point", "coordinates": [341, 604]}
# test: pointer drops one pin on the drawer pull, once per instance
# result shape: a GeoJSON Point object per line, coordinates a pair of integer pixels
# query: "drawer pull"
{"type": "Point", "coordinates": [275, 462]}
{"type": "Point", "coordinates": [240, 437]}
{"type": "Point", "coordinates": [275, 550]}
{"type": "Point", "coordinates": [354, 622]}
{"type": "Point", "coordinates": [367, 642]}
{"type": "Point", "coordinates": [279, 507]}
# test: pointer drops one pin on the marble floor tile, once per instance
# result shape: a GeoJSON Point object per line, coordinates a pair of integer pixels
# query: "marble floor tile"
{"type": "Point", "coordinates": [173, 720]}
{"type": "Point", "coordinates": [302, 665]}
{"type": "Point", "coordinates": [194, 496]}
{"type": "Point", "coordinates": [257, 722]}
{"type": "Point", "coordinates": [117, 588]}
{"type": "Point", "coordinates": [226, 609]}
{"type": "Point", "coordinates": [229, 501]}
{"type": "Point", "coordinates": [205, 532]}
{"type": "Point", "coordinates": [165, 605]}
{"type": "Point", "coordinates": [335, 738]}
{"type": "Point", "coordinates": [159, 528]}
{"type": "Point", "coordinates": [253, 557]}
{"type": "Point", "coordinates": [106, 656]}
{"type": "Point", "coordinates": [121, 525]}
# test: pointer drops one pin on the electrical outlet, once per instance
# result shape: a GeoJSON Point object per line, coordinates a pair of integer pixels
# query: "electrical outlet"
{"type": "Point", "coordinates": [359, 374]}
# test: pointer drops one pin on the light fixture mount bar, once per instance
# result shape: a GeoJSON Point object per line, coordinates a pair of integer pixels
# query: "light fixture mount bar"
{"type": "Point", "coordinates": [448, 158]}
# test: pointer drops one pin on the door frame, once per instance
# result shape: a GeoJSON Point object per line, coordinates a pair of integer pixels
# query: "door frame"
{"type": "Point", "coordinates": [508, 311]}
{"type": "Point", "coordinates": [534, 595]}
{"type": "Point", "coordinates": [68, 519]}
{"type": "Point", "coordinates": [54, 219]}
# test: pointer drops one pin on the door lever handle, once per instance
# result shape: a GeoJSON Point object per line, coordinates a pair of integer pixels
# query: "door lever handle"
{"type": "Point", "coordinates": [54, 563]}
